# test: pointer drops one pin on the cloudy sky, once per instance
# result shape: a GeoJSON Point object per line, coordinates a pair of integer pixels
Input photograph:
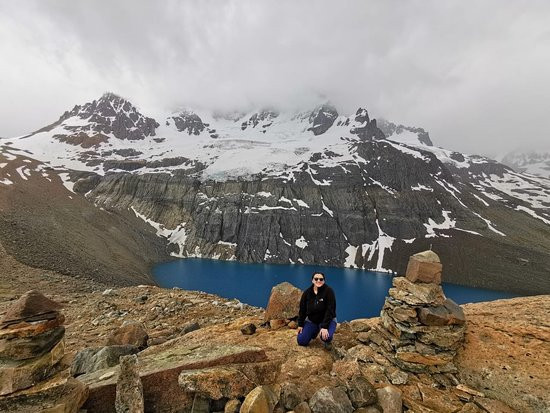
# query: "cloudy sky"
{"type": "Point", "coordinates": [475, 74]}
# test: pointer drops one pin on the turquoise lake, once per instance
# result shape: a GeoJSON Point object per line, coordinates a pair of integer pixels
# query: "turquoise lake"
{"type": "Point", "coordinates": [359, 293]}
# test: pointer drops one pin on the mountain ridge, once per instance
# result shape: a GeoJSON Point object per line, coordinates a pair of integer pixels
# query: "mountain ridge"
{"type": "Point", "coordinates": [310, 187]}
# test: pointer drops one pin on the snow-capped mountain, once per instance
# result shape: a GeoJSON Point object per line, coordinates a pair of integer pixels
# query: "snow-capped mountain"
{"type": "Point", "coordinates": [532, 162]}
{"type": "Point", "coordinates": [315, 187]}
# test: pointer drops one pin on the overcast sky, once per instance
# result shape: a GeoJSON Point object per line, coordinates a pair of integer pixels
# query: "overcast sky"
{"type": "Point", "coordinates": [475, 74]}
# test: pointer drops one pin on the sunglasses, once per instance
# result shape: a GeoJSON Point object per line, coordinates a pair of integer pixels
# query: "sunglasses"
{"type": "Point", "coordinates": [318, 279]}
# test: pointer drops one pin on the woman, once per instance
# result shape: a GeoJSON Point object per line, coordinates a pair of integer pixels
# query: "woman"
{"type": "Point", "coordinates": [317, 312]}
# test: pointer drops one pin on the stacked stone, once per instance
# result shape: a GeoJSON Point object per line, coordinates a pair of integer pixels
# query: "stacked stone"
{"type": "Point", "coordinates": [31, 342]}
{"type": "Point", "coordinates": [420, 329]}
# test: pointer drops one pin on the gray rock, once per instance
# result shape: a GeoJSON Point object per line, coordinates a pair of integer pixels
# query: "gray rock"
{"type": "Point", "coordinates": [189, 327]}
{"type": "Point", "coordinates": [89, 360]}
{"type": "Point", "coordinates": [291, 395]}
{"type": "Point", "coordinates": [248, 329]}
{"type": "Point", "coordinates": [361, 392]}
{"type": "Point", "coordinates": [330, 400]}
{"type": "Point", "coordinates": [129, 390]}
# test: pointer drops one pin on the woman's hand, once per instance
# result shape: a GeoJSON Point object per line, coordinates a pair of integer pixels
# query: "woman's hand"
{"type": "Point", "coordinates": [300, 330]}
{"type": "Point", "coordinates": [324, 333]}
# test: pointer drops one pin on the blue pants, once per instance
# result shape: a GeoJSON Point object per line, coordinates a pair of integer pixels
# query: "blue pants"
{"type": "Point", "coordinates": [311, 330]}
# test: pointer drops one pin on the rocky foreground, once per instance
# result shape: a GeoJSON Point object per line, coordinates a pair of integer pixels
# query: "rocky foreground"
{"type": "Point", "coordinates": [204, 353]}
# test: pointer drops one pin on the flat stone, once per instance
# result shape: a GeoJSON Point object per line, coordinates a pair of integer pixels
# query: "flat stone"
{"type": "Point", "coordinates": [402, 313]}
{"type": "Point", "coordinates": [29, 305]}
{"type": "Point", "coordinates": [30, 329]}
{"type": "Point", "coordinates": [493, 406]}
{"type": "Point", "coordinates": [412, 357]}
{"type": "Point", "coordinates": [17, 375]}
{"type": "Point", "coordinates": [445, 337]}
{"type": "Point", "coordinates": [31, 347]}
{"type": "Point", "coordinates": [160, 370]}
{"type": "Point", "coordinates": [424, 267]}
{"type": "Point", "coordinates": [57, 395]}
{"type": "Point", "coordinates": [129, 390]}
{"type": "Point", "coordinates": [446, 314]}
{"type": "Point", "coordinates": [216, 382]}
{"type": "Point", "coordinates": [89, 360]}
{"type": "Point", "coordinates": [284, 302]}
{"type": "Point", "coordinates": [438, 400]}
{"type": "Point", "coordinates": [423, 293]}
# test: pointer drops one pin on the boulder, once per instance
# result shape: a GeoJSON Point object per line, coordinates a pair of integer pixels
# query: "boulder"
{"type": "Point", "coordinates": [389, 398]}
{"type": "Point", "coordinates": [89, 360]}
{"type": "Point", "coordinates": [361, 392]}
{"type": "Point", "coordinates": [130, 333]}
{"type": "Point", "coordinates": [446, 314]}
{"type": "Point", "coordinates": [31, 306]}
{"type": "Point", "coordinates": [248, 329]}
{"type": "Point", "coordinates": [261, 400]}
{"type": "Point", "coordinates": [129, 390]}
{"type": "Point", "coordinates": [284, 302]}
{"type": "Point", "coordinates": [424, 267]}
{"type": "Point", "coordinates": [438, 400]}
{"type": "Point", "coordinates": [330, 400]}
{"type": "Point", "coordinates": [31, 347]}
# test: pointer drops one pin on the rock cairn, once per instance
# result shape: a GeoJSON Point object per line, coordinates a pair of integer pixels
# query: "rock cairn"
{"type": "Point", "coordinates": [420, 329]}
{"type": "Point", "coordinates": [31, 342]}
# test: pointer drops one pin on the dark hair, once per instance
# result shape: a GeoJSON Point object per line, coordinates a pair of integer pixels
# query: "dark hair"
{"type": "Point", "coordinates": [318, 272]}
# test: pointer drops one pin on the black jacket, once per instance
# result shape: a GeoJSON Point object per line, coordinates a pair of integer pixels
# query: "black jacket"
{"type": "Point", "coordinates": [319, 308]}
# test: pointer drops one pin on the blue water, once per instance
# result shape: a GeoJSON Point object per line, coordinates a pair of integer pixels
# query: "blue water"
{"type": "Point", "coordinates": [359, 293]}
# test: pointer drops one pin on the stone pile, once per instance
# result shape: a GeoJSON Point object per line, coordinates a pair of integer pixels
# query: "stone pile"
{"type": "Point", "coordinates": [31, 342]}
{"type": "Point", "coordinates": [420, 329]}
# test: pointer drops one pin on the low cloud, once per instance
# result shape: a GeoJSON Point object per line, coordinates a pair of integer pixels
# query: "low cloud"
{"type": "Point", "coordinates": [472, 73]}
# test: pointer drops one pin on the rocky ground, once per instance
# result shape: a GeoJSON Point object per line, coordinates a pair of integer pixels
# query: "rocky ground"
{"type": "Point", "coordinates": [506, 355]}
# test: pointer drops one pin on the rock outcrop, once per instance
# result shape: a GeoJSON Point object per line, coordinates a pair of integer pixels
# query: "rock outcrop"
{"type": "Point", "coordinates": [420, 329]}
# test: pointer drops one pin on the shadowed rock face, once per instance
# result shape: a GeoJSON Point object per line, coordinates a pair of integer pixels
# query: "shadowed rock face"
{"type": "Point", "coordinates": [322, 119]}
{"type": "Point", "coordinates": [109, 115]}
{"type": "Point", "coordinates": [344, 222]}
{"type": "Point", "coordinates": [189, 122]}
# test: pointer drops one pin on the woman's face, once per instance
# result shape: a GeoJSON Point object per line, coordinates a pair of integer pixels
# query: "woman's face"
{"type": "Point", "coordinates": [318, 280]}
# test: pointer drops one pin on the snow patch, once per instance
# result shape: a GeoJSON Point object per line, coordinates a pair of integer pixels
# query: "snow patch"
{"type": "Point", "coordinates": [301, 242]}
{"type": "Point", "coordinates": [447, 223]}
